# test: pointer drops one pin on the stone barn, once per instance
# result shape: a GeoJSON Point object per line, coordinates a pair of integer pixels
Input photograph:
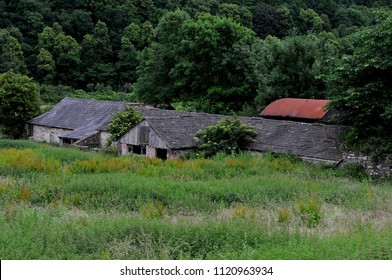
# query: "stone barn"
{"type": "Point", "coordinates": [173, 135]}
{"type": "Point", "coordinates": [165, 136]}
{"type": "Point", "coordinates": [76, 121]}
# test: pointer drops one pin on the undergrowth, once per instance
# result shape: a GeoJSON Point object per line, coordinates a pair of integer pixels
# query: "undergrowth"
{"type": "Point", "coordinates": [59, 203]}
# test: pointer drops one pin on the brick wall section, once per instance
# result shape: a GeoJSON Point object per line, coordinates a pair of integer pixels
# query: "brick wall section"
{"type": "Point", "coordinates": [380, 168]}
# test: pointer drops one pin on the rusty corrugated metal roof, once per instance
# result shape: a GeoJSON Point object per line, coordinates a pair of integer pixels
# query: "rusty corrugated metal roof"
{"type": "Point", "coordinates": [312, 109]}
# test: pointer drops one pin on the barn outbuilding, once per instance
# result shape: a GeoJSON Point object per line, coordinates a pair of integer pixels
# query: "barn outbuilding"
{"type": "Point", "coordinates": [175, 134]}
{"type": "Point", "coordinates": [76, 121]}
{"type": "Point", "coordinates": [168, 133]}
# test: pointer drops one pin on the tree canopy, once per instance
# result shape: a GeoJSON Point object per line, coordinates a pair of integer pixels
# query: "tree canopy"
{"type": "Point", "coordinates": [362, 87]}
{"type": "Point", "coordinates": [208, 61]}
{"type": "Point", "coordinates": [19, 102]}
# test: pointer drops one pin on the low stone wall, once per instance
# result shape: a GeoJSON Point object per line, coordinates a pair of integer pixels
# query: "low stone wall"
{"type": "Point", "coordinates": [380, 168]}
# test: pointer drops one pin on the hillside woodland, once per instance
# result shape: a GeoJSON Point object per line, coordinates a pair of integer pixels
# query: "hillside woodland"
{"type": "Point", "coordinates": [220, 56]}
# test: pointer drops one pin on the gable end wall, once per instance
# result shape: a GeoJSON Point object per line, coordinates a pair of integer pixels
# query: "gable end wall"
{"type": "Point", "coordinates": [132, 137]}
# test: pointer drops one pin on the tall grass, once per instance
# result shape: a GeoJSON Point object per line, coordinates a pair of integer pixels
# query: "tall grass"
{"type": "Point", "coordinates": [58, 203]}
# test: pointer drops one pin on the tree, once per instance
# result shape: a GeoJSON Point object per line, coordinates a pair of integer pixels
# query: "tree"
{"type": "Point", "coordinates": [127, 63]}
{"type": "Point", "coordinates": [294, 67]}
{"type": "Point", "coordinates": [311, 22]}
{"type": "Point", "coordinates": [362, 87]}
{"type": "Point", "coordinates": [97, 56]}
{"type": "Point", "coordinates": [45, 67]}
{"type": "Point", "coordinates": [209, 61]}
{"type": "Point", "coordinates": [76, 23]}
{"type": "Point", "coordinates": [11, 54]}
{"type": "Point", "coordinates": [19, 102]}
{"type": "Point", "coordinates": [67, 57]}
{"type": "Point", "coordinates": [227, 136]}
{"type": "Point", "coordinates": [270, 20]}
{"type": "Point", "coordinates": [154, 84]}
{"type": "Point", "coordinates": [134, 40]}
{"type": "Point", "coordinates": [65, 52]}
{"type": "Point", "coordinates": [237, 13]}
{"type": "Point", "coordinates": [122, 122]}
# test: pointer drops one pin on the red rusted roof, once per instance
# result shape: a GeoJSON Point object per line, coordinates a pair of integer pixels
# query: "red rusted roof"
{"type": "Point", "coordinates": [312, 109]}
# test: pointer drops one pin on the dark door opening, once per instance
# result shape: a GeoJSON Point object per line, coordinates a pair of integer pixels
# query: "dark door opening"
{"type": "Point", "coordinates": [67, 141]}
{"type": "Point", "coordinates": [162, 154]}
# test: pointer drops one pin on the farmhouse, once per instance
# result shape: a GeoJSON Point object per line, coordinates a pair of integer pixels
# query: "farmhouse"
{"type": "Point", "coordinates": [174, 134]}
{"type": "Point", "coordinates": [76, 121]}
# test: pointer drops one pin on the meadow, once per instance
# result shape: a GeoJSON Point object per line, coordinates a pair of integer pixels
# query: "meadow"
{"type": "Point", "coordinates": [62, 203]}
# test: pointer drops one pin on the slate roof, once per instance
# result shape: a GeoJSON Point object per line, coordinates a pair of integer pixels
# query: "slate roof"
{"type": "Point", "coordinates": [73, 113]}
{"type": "Point", "coordinates": [84, 117]}
{"type": "Point", "coordinates": [308, 140]}
{"type": "Point", "coordinates": [178, 132]}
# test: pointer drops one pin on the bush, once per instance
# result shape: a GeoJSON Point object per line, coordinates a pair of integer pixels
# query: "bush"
{"type": "Point", "coordinates": [228, 136]}
{"type": "Point", "coordinates": [122, 122]}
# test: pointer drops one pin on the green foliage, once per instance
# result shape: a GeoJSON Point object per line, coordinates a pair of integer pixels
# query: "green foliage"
{"type": "Point", "coordinates": [310, 211]}
{"type": "Point", "coordinates": [19, 102]}
{"type": "Point", "coordinates": [270, 20]}
{"type": "Point", "coordinates": [227, 136]}
{"type": "Point", "coordinates": [208, 61]}
{"type": "Point", "coordinates": [135, 38]}
{"type": "Point", "coordinates": [296, 66]}
{"type": "Point", "coordinates": [58, 60]}
{"type": "Point", "coordinates": [154, 84]}
{"type": "Point", "coordinates": [237, 13]}
{"type": "Point", "coordinates": [59, 203]}
{"type": "Point", "coordinates": [11, 54]}
{"type": "Point", "coordinates": [27, 20]}
{"type": "Point", "coordinates": [45, 66]}
{"type": "Point", "coordinates": [122, 122]}
{"type": "Point", "coordinates": [18, 144]}
{"type": "Point", "coordinates": [361, 86]}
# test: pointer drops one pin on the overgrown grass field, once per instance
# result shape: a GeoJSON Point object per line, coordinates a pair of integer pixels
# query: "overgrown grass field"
{"type": "Point", "coordinates": [59, 203]}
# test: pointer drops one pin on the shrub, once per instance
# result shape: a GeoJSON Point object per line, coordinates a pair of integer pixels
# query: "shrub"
{"type": "Point", "coordinates": [284, 215]}
{"type": "Point", "coordinates": [122, 122]}
{"type": "Point", "coordinates": [228, 136]}
{"type": "Point", "coordinates": [310, 211]}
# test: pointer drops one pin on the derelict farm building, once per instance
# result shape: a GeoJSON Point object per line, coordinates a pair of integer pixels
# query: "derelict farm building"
{"type": "Point", "coordinates": [173, 135]}
{"type": "Point", "coordinates": [76, 121]}
{"type": "Point", "coordinates": [169, 133]}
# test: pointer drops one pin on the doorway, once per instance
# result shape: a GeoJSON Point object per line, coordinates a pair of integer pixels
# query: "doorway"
{"type": "Point", "coordinates": [162, 154]}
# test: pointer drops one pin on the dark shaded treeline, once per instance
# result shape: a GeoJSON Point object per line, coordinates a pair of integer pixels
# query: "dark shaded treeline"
{"type": "Point", "coordinates": [83, 44]}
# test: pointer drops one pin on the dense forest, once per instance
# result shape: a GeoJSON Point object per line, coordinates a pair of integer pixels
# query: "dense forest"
{"type": "Point", "coordinates": [219, 56]}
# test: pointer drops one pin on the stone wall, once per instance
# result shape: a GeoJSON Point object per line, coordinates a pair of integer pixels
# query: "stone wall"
{"type": "Point", "coordinates": [379, 168]}
{"type": "Point", "coordinates": [104, 138]}
{"type": "Point", "coordinates": [48, 134]}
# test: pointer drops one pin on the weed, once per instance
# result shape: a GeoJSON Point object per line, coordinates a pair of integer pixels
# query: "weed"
{"type": "Point", "coordinates": [284, 215]}
{"type": "Point", "coordinates": [25, 193]}
{"type": "Point", "coordinates": [242, 212]}
{"type": "Point", "coordinates": [310, 210]}
{"type": "Point", "coordinates": [153, 210]}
